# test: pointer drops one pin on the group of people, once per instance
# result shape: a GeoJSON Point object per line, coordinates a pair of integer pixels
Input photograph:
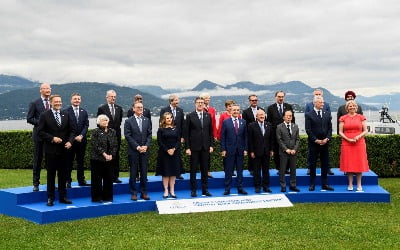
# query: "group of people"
{"type": "Point", "coordinates": [61, 135]}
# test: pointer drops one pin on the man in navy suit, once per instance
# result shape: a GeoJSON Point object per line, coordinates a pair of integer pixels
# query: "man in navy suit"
{"type": "Point", "coordinates": [233, 149]}
{"type": "Point", "coordinates": [35, 109]}
{"type": "Point", "coordinates": [56, 130]}
{"type": "Point", "coordinates": [319, 131]}
{"type": "Point", "coordinates": [137, 130]}
{"type": "Point", "coordinates": [198, 133]}
{"type": "Point", "coordinates": [80, 122]}
{"type": "Point", "coordinates": [275, 113]}
{"type": "Point", "coordinates": [179, 118]}
{"type": "Point", "coordinates": [308, 108]}
{"type": "Point", "coordinates": [114, 113]}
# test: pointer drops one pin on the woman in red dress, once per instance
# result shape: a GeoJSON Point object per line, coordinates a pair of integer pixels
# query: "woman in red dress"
{"type": "Point", "coordinates": [353, 154]}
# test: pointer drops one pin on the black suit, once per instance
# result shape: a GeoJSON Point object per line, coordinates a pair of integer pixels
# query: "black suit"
{"type": "Point", "coordinates": [198, 139]}
{"type": "Point", "coordinates": [35, 109]}
{"type": "Point", "coordinates": [114, 123]}
{"type": "Point", "coordinates": [275, 118]}
{"type": "Point", "coordinates": [261, 145]}
{"type": "Point", "coordinates": [318, 128]}
{"type": "Point", "coordinates": [249, 117]}
{"type": "Point", "coordinates": [78, 149]}
{"type": "Point", "coordinates": [56, 153]}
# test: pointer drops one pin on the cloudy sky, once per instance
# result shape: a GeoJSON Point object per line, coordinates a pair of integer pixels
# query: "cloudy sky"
{"type": "Point", "coordinates": [337, 44]}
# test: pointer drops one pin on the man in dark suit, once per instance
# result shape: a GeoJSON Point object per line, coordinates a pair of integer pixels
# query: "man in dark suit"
{"type": "Point", "coordinates": [310, 106]}
{"type": "Point", "coordinates": [114, 113]}
{"type": "Point", "coordinates": [319, 131]}
{"type": "Point", "coordinates": [287, 135]}
{"type": "Point", "coordinates": [261, 140]}
{"type": "Point", "coordinates": [56, 130]}
{"type": "Point", "coordinates": [249, 115]}
{"type": "Point", "coordinates": [137, 130]}
{"type": "Point", "coordinates": [275, 113]}
{"type": "Point", "coordinates": [146, 111]}
{"type": "Point", "coordinates": [179, 118]}
{"type": "Point", "coordinates": [80, 122]}
{"type": "Point", "coordinates": [234, 147]}
{"type": "Point", "coordinates": [199, 139]}
{"type": "Point", "coordinates": [35, 109]}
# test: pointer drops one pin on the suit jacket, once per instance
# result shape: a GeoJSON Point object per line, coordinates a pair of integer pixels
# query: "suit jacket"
{"type": "Point", "coordinates": [35, 109]}
{"type": "Point", "coordinates": [248, 115]}
{"type": "Point", "coordinates": [318, 128]}
{"type": "Point", "coordinates": [133, 135]}
{"type": "Point", "coordinates": [113, 123]}
{"type": "Point", "coordinates": [273, 115]}
{"type": "Point", "coordinates": [48, 129]}
{"type": "Point", "coordinates": [258, 144]}
{"type": "Point", "coordinates": [80, 127]}
{"type": "Point", "coordinates": [231, 142]}
{"type": "Point", "coordinates": [178, 120]}
{"type": "Point", "coordinates": [286, 141]}
{"type": "Point", "coordinates": [196, 137]}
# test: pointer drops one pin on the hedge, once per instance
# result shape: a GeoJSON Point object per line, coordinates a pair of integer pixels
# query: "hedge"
{"type": "Point", "coordinates": [16, 151]}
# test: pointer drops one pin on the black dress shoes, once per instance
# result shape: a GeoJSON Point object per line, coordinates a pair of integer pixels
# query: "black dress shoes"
{"type": "Point", "coordinates": [35, 188]}
{"type": "Point", "coordinates": [267, 190]}
{"type": "Point", "coordinates": [65, 201]}
{"type": "Point", "coordinates": [206, 193]}
{"type": "Point", "coordinates": [227, 192]}
{"type": "Point", "coordinates": [68, 185]}
{"type": "Point", "coordinates": [287, 172]}
{"type": "Point", "coordinates": [134, 197]}
{"type": "Point", "coordinates": [173, 196]}
{"type": "Point", "coordinates": [311, 188]}
{"type": "Point", "coordinates": [258, 190]}
{"type": "Point", "coordinates": [283, 189]}
{"type": "Point", "coordinates": [50, 202]}
{"type": "Point", "coordinates": [180, 177]}
{"type": "Point", "coordinates": [144, 197]}
{"type": "Point", "coordinates": [330, 172]}
{"type": "Point", "coordinates": [327, 187]}
{"type": "Point", "coordinates": [117, 180]}
{"type": "Point", "coordinates": [193, 194]}
{"type": "Point", "coordinates": [242, 191]}
{"type": "Point", "coordinates": [295, 189]}
{"type": "Point", "coordinates": [83, 183]}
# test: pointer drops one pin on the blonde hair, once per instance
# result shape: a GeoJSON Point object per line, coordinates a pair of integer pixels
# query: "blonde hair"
{"type": "Point", "coordinates": [164, 118]}
{"type": "Point", "coordinates": [351, 102]}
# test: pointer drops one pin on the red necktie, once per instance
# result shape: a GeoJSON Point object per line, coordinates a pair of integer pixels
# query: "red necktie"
{"type": "Point", "coordinates": [47, 106]}
{"type": "Point", "coordinates": [236, 126]}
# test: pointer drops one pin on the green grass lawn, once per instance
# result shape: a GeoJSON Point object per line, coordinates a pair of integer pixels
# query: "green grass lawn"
{"type": "Point", "coordinates": [303, 226]}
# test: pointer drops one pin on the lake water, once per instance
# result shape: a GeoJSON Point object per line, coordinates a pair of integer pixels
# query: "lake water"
{"type": "Point", "coordinates": [23, 125]}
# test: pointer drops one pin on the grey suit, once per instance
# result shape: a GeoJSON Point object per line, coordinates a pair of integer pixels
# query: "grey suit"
{"type": "Point", "coordinates": [287, 141]}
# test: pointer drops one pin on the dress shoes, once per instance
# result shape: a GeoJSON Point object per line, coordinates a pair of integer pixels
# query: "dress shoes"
{"type": "Point", "coordinates": [144, 197]}
{"type": "Point", "coordinates": [327, 187]}
{"type": "Point", "coordinates": [134, 197]}
{"type": "Point", "coordinates": [173, 196]}
{"type": "Point", "coordinates": [360, 189]}
{"type": "Point", "coordinates": [233, 174]}
{"type": "Point", "coordinates": [180, 177]}
{"type": "Point", "coordinates": [65, 201]}
{"type": "Point", "coordinates": [267, 190]}
{"type": "Point", "coordinates": [242, 191]}
{"type": "Point", "coordinates": [283, 189]}
{"type": "Point", "coordinates": [349, 188]}
{"type": "Point", "coordinates": [287, 172]}
{"type": "Point", "coordinates": [311, 188]}
{"type": "Point", "coordinates": [206, 193]}
{"type": "Point", "coordinates": [83, 183]}
{"type": "Point", "coordinates": [50, 202]}
{"type": "Point", "coordinates": [68, 185]}
{"type": "Point", "coordinates": [117, 180]}
{"type": "Point", "coordinates": [165, 196]}
{"type": "Point", "coordinates": [295, 189]}
{"type": "Point", "coordinates": [193, 194]}
{"type": "Point", "coordinates": [35, 188]}
{"type": "Point", "coordinates": [330, 172]}
{"type": "Point", "coordinates": [227, 192]}
{"type": "Point", "coordinates": [258, 190]}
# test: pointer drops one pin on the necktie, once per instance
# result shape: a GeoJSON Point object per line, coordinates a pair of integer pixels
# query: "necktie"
{"type": "Point", "coordinates": [262, 128]}
{"type": "Point", "coordinates": [139, 120]}
{"type": "Point", "coordinates": [319, 114]}
{"type": "Point", "coordinates": [288, 129]}
{"type": "Point", "coordinates": [112, 111]}
{"type": "Point", "coordinates": [47, 106]}
{"type": "Point", "coordinates": [280, 110]}
{"type": "Point", "coordinates": [236, 126]}
{"type": "Point", "coordinates": [58, 119]}
{"type": "Point", "coordinates": [174, 113]}
{"type": "Point", "coordinates": [76, 114]}
{"type": "Point", "coordinates": [201, 118]}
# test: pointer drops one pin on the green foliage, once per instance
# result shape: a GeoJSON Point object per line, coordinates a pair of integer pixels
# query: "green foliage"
{"type": "Point", "coordinates": [16, 150]}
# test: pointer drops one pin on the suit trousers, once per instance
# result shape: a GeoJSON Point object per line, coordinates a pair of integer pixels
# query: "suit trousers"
{"type": "Point", "coordinates": [287, 160]}
{"type": "Point", "coordinates": [200, 157]}
{"type": "Point", "coordinates": [323, 152]}
{"type": "Point", "coordinates": [37, 161]}
{"type": "Point", "coordinates": [56, 164]}
{"type": "Point", "coordinates": [261, 171]}
{"type": "Point", "coordinates": [101, 183]}
{"type": "Point", "coordinates": [232, 160]}
{"type": "Point", "coordinates": [76, 152]}
{"type": "Point", "coordinates": [138, 162]}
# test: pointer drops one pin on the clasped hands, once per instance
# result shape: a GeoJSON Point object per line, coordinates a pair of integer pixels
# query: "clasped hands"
{"type": "Point", "coordinates": [58, 140]}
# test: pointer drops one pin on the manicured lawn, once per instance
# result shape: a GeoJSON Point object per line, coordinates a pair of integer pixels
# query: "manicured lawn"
{"type": "Point", "coordinates": [303, 226]}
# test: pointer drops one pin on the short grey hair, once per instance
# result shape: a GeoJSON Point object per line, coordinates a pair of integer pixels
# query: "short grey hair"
{"type": "Point", "coordinates": [102, 117]}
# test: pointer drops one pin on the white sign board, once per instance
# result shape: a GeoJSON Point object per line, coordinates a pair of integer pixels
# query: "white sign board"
{"type": "Point", "coordinates": [222, 203]}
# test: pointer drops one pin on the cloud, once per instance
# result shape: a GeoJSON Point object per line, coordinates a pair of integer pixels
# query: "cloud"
{"type": "Point", "coordinates": [332, 44]}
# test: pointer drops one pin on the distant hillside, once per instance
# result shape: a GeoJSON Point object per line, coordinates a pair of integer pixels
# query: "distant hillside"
{"type": "Point", "coordinates": [14, 104]}
{"type": "Point", "coordinates": [8, 83]}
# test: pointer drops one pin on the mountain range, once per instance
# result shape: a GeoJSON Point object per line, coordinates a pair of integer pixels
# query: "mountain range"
{"type": "Point", "coordinates": [17, 92]}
